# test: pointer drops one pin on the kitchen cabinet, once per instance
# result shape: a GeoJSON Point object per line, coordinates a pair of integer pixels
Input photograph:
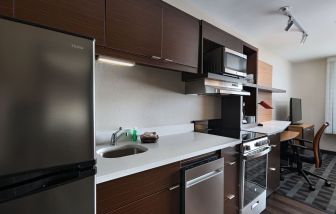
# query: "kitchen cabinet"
{"type": "Point", "coordinates": [159, 33]}
{"type": "Point", "coordinates": [83, 17]}
{"type": "Point", "coordinates": [180, 39]}
{"type": "Point", "coordinates": [164, 202]}
{"type": "Point", "coordinates": [134, 26]}
{"type": "Point", "coordinates": [221, 37]}
{"type": "Point", "coordinates": [6, 8]}
{"type": "Point", "coordinates": [151, 191]}
{"type": "Point", "coordinates": [273, 174]}
{"type": "Point", "coordinates": [231, 179]}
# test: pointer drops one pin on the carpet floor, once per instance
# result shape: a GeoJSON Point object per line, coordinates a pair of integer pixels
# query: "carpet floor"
{"type": "Point", "coordinates": [323, 198]}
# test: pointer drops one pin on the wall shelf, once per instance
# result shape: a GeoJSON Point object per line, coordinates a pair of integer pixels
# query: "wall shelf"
{"type": "Point", "coordinates": [264, 88]}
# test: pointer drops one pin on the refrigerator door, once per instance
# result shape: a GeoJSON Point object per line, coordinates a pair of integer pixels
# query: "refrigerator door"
{"type": "Point", "coordinates": [46, 101]}
{"type": "Point", "coordinates": [72, 198]}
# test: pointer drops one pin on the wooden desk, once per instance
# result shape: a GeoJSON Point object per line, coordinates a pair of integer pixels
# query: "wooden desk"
{"type": "Point", "coordinates": [288, 135]}
{"type": "Point", "coordinates": [306, 131]}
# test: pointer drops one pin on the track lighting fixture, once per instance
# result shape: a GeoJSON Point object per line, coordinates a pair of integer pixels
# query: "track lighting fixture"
{"type": "Point", "coordinates": [293, 21]}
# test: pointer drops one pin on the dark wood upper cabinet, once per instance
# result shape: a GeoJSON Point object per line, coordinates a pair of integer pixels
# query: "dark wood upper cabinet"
{"type": "Point", "coordinates": [6, 7]}
{"type": "Point", "coordinates": [180, 38]}
{"type": "Point", "coordinates": [221, 37]}
{"type": "Point", "coordinates": [83, 17]}
{"type": "Point", "coordinates": [134, 26]}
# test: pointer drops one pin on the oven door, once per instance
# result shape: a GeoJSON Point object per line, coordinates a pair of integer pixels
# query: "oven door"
{"type": "Point", "coordinates": [254, 181]}
{"type": "Point", "coordinates": [235, 63]}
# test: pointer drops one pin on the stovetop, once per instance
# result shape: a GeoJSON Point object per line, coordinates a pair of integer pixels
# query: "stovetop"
{"type": "Point", "coordinates": [245, 136]}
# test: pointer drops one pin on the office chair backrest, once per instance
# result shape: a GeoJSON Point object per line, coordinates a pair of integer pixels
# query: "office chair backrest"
{"type": "Point", "coordinates": [316, 145]}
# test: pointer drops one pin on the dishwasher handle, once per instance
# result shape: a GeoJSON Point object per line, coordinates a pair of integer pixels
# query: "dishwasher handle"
{"type": "Point", "coordinates": [204, 177]}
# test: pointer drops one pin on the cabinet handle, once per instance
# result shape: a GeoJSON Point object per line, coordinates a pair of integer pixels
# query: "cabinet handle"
{"type": "Point", "coordinates": [174, 187]}
{"type": "Point", "coordinates": [169, 60]}
{"type": "Point", "coordinates": [230, 163]}
{"type": "Point", "coordinates": [273, 145]}
{"type": "Point", "coordinates": [272, 169]}
{"type": "Point", "coordinates": [230, 197]}
{"type": "Point", "coordinates": [156, 57]}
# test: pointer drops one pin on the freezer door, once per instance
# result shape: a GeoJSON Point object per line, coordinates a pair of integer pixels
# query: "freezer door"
{"type": "Point", "coordinates": [77, 197]}
{"type": "Point", "coordinates": [46, 98]}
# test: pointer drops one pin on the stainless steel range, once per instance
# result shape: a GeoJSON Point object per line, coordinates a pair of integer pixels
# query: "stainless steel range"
{"type": "Point", "coordinates": [253, 175]}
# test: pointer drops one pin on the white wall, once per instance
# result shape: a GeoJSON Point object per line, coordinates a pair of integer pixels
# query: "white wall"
{"type": "Point", "coordinates": [308, 83]}
{"type": "Point", "coordinates": [145, 97]}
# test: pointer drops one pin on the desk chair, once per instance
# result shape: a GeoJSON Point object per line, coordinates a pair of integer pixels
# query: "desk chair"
{"type": "Point", "coordinates": [299, 153]}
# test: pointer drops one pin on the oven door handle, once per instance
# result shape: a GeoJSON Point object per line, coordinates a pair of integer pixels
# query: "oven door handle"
{"type": "Point", "coordinates": [259, 154]}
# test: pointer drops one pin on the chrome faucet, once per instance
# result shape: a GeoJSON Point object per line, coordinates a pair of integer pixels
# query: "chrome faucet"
{"type": "Point", "coordinates": [116, 135]}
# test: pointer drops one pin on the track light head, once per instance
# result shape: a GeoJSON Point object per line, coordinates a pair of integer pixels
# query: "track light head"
{"type": "Point", "coordinates": [289, 25]}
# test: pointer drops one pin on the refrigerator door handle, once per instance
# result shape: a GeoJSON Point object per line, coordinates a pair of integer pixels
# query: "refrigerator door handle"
{"type": "Point", "coordinates": [44, 182]}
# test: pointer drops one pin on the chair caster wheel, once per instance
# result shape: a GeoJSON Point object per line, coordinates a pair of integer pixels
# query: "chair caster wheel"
{"type": "Point", "coordinates": [327, 183]}
{"type": "Point", "coordinates": [312, 188]}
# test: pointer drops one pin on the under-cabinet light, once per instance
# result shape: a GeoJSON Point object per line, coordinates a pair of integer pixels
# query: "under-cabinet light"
{"type": "Point", "coordinates": [115, 61]}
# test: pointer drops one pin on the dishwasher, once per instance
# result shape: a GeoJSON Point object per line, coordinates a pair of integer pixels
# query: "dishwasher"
{"type": "Point", "coordinates": [203, 187]}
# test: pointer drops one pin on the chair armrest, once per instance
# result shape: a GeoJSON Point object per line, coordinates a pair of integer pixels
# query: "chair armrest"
{"type": "Point", "coordinates": [303, 140]}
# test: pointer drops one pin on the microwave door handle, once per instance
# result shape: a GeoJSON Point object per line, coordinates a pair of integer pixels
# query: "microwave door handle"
{"type": "Point", "coordinates": [259, 154]}
{"type": "Point", "coordinates": [227, 50]}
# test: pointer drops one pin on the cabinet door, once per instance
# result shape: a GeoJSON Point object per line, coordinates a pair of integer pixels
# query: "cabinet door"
{"type": "Point", "coordinates": [6, 7]}
{"type": "Point", "coordinates": [134, 26]}
{"type": "Point", "coordinates": [113, 195]}
{"type": "Point", "coordinates": [273, 175]}
{"type": "Point", "coordinates": [164, 202]}
{"type": "Point", "coordinates": [180, 39]}
{"type": "Point", "coordinates": [231, 179]}
{"type": "Point", "coordinates": [83, 17]}
{"type": "Point", "coordinates": [221, 37]}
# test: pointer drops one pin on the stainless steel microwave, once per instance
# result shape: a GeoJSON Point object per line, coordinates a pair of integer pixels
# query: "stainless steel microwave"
{"type": "Point", "coordinates": [224, 61]}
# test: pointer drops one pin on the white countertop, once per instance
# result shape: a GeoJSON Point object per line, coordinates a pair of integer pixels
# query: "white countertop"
{"type": "Point", "coordinates": [169, 149]}
{"type": "Point", "coordinates": [269, 127]}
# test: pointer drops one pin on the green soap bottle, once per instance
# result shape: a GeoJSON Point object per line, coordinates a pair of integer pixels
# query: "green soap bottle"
{"type": "Point", "coordinates": [134, 135]}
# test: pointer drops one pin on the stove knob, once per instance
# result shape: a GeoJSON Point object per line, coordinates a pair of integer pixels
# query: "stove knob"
{"type": "Point", "coordinates": [247, 148]}
{"type": "Point", "coordinates": [258, 144]}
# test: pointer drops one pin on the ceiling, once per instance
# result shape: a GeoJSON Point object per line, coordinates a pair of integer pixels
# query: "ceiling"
{"type": "Point", "coordinates": [260, 21]}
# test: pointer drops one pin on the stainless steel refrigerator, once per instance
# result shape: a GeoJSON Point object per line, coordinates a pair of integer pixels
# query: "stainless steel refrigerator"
{"type": "Point", "coordinates": [47, 163]}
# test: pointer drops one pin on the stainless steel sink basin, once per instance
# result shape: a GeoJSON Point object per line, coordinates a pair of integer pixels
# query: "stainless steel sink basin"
{"type": "Point", "coordinates": [121, 151]}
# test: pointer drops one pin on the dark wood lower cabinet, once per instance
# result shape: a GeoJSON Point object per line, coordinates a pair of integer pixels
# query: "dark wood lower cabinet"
{"type": "Point", "coordinates": [164, 202]}
{"type": "Point", "coordinates": [273, 173]}
{"type": "Point", "coordinates": [151, 190]}
{"type": "Point", "coordinates": [158, 190]}
{"type": "Point", "coordinates": [231, 179]}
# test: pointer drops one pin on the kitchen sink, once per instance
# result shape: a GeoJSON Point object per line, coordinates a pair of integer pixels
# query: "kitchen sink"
{"type": "Point", "coordinates": [121, 151]}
